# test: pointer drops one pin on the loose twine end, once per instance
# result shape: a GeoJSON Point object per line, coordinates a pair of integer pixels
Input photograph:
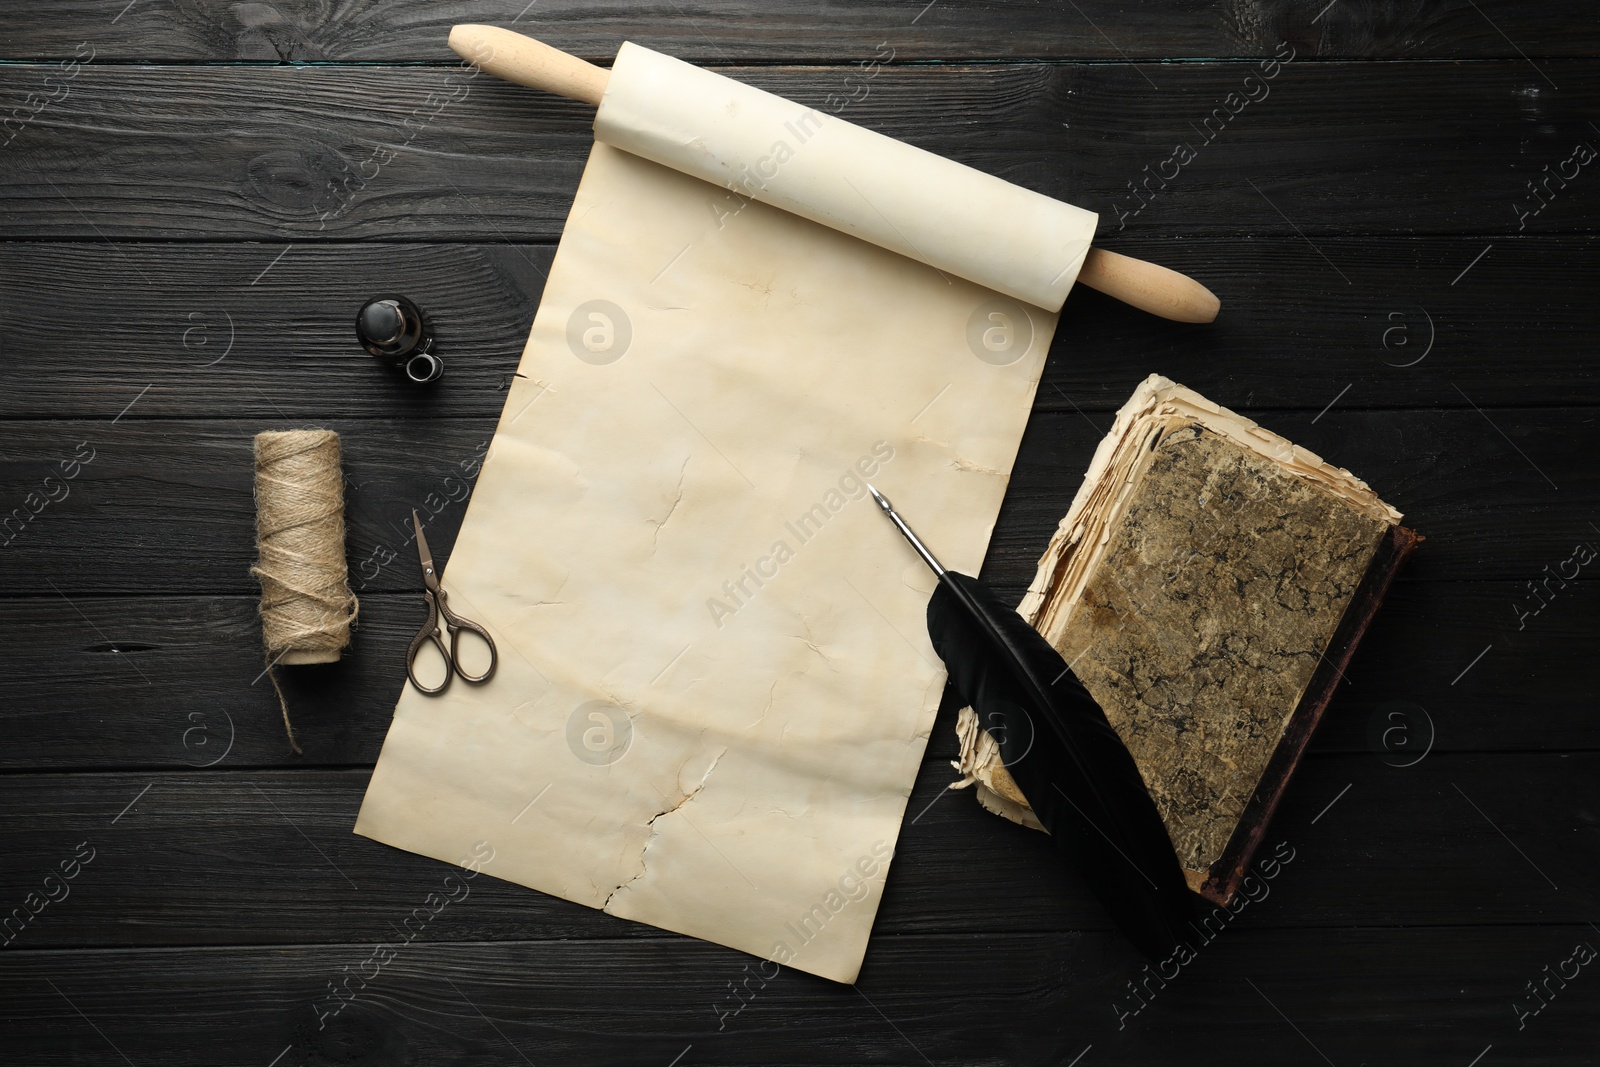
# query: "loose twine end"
{"type": "Point", "coordinates": [288, 727]}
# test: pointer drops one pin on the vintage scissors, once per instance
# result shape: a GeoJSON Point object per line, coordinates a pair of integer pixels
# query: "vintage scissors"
{"type": "Point", "coordinates": [439, 611]}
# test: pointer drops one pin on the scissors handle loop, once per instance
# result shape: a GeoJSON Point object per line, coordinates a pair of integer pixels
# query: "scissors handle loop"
{"type": "Point", "coordinates": [429, 632]}
{"type": "Point", "coordinates": [455, 624]}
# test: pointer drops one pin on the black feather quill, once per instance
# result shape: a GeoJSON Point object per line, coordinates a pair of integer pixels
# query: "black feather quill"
{"type": "Point", "coordinates": [1055, 741]}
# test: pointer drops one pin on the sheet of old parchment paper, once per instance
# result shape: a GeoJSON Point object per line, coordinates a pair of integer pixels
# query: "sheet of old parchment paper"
{"type": "Point", "coordinates": [715, 682]}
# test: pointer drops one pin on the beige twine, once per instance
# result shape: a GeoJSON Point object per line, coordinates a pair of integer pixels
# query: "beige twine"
{"type": "Point", "coordinates": [306, 603]}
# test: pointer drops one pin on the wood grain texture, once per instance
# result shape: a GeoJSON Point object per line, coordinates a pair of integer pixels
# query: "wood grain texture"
{"type": "Point", "coordinates": [601, 1003]}
{"type": "Point", "coordinates": [1468, 480]}
{"type": "Point", "coordinates": [215, 337]}
{"type": "Point", "coordinates": [318, 152]}
{"type": "Point", "coordinates": [218, 339]}
{"type": "Point", "coordinates": [165, 506]}
{"type": "Point", "coordinates": [835, 30]}
{"type": "Point", "coordinates": [167, 682]}
{"type": "Point", "coordinates": [1389, 853]}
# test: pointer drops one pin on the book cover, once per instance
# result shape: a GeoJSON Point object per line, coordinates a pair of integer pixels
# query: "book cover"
{"type": "Point", "coordinates": [1208, 585]}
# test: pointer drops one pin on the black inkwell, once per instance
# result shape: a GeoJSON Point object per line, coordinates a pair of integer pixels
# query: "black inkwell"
{"type": "Point", "coordinates": [393, 331]}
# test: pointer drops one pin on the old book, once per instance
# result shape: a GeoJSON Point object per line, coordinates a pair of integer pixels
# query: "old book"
{"type": "Point", "coordinates": [1208, 585]}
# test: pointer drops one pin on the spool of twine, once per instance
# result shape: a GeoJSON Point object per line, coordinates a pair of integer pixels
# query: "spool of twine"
{"type": "Point", "coordinates": [306, 603]}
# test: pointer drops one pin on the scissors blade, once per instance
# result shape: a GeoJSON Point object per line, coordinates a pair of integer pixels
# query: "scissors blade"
{"type": "Point", "coordinates": [430, 577]}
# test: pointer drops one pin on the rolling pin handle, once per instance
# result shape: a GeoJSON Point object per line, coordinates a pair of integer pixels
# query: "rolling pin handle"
{"type": "Point", "coordinates": [1149, 287]}
{"type": "Point", "coordinates": [525, 61]}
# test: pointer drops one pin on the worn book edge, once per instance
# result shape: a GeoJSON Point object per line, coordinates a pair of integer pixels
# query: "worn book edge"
{"type": "Point", "coordinates": [1222, 880]}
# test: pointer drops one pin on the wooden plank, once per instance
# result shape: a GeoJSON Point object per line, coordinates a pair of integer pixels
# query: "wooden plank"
{"type": "Point", "coordinates": [214, 340]}
{"type": "Point", "coordinates": [138, 471]}
{"type": "Point", "coordinates": [723, 31]}
{"type": "Point", "coordinates": [1425, 997]}
{"type": "Point", "coordinates": [1494, 492]}
{"type": "Point", "coordinates": [166, 506]}
{"type": "Point", "coordinates": [212, 336]}
{"type": "Point", "coordinates": [269, 858]}
{"type": "Point", "coordinates": [184, 690]}
{"type": "Point", "coordinates": [310, 153]}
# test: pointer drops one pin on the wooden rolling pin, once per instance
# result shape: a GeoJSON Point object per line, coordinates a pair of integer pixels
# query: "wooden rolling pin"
{"type": "Point", "coordinates": [525, 61]}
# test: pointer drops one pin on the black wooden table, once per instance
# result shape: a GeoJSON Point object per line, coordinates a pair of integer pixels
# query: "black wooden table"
{"type": "Point", "coordinates": [1399, 218]}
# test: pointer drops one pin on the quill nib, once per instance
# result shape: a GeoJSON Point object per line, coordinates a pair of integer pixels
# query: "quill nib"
{"type": "Point", "coordinates": [900, 524]}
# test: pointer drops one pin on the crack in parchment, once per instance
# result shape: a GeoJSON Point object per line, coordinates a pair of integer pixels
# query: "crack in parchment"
{"type": "Point", "coordinates": [693, 792]}
{"type": "Point", "coordinates": [772, 696]}
{"type": "Point", "coordinates": [967, 465]}
{"type": "Point", "coordinates": [676, 500]}
{"type": "Point", "coordinates": [809, 640]}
